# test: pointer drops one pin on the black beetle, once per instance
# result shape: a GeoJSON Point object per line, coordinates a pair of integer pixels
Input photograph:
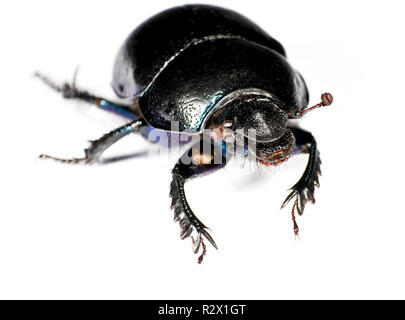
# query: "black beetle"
{"type": "Point", "coordinates": [204, 67]}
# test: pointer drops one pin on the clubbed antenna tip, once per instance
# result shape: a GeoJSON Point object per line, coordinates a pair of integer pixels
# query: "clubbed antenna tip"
{"type": "Point", "coordinates": [326, 100]}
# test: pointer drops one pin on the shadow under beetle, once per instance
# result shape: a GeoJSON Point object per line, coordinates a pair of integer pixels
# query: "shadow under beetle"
{"type": "Point", "coordinates": [205, 67]}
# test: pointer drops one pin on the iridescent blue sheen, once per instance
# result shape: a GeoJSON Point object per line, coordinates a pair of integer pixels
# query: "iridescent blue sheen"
{"type": "Point", "coordinates": [108, 106]}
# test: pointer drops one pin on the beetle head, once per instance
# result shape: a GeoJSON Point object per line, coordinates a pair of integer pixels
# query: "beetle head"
{"type": "Point", "coordinates": [257, 118]}
{"type": "Point", "coordinates": [258, 125]}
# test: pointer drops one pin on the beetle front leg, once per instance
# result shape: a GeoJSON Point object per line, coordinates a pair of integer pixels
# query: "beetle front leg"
{"type": "Point", "coordinates": [202, 158]}
{"type": "Point", "coordinates": [98, 146]}
{"type": "Point", "coordinates": [304, 189]}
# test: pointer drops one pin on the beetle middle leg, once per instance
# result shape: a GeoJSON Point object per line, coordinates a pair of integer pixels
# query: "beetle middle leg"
{"type": "Point", "coordinates": [98, 146]}
{"type": "Point", "coordinates": [202, 158]}
{"type": "Point", "coordinates": [70, 91]}
{"type": "Point", "coordinates": [304, 189]}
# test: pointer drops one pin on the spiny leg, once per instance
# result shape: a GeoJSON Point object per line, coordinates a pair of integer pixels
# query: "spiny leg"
{"type": "Point", "coordinates": [304, 189]}
{"type": "Point", "coordinates": [69, 91]}
{"type": "Point", "coordinates": [98, 146]}
{"type": "Point", "coordinates": [202, 158]}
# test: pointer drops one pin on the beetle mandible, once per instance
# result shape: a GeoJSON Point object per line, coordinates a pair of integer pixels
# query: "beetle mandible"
{"type": "Point", "coordinates": [206, 67]}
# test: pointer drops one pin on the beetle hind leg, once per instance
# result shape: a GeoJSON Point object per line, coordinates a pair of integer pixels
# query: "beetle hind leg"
{"type": "Point", "coordinates": [303, 191]}
{"type": "Point", "coordinates": [70, 91]}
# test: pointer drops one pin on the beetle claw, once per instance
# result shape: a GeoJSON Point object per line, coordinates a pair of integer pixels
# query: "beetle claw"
{"type": "Point", "coordinates": [302, 196]}
{"type": "Point", "coordinates": [288, 199]}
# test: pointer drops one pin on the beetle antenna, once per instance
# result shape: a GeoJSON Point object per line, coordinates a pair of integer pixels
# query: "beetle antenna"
{"type": "Point", "coordinates": [326, 100]}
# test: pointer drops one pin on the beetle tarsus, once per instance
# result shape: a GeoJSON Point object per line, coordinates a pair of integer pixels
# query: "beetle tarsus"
{"type": "Point", "coordinates": [296, 229]}
{"type": "Point", "coordinates": [50, 83]}
{"type": "Point", "coordinates": [72, 160]}
{"type": "Point", "coordinates": [70, 91]}
{"type": "Point", "coordinates": [97, 147]}
{"type": "Point", "coordinates": [204, 252]}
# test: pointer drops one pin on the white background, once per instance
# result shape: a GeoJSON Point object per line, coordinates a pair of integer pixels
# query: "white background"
{"type": "Point", "coordinates": [106, 231]}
